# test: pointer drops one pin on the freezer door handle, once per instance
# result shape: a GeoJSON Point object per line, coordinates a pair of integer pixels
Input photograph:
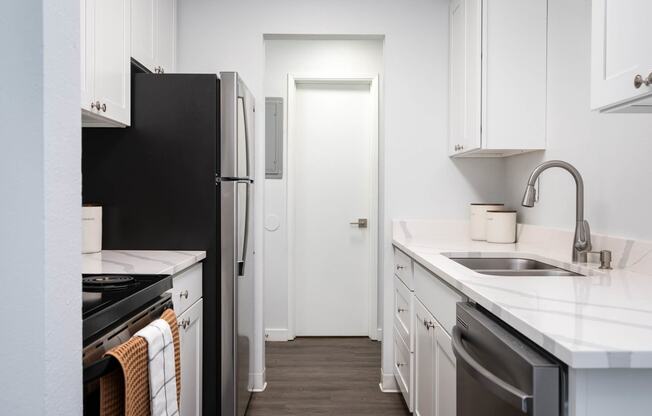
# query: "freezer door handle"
{"type": "Point", "coordinates": [510, 394]}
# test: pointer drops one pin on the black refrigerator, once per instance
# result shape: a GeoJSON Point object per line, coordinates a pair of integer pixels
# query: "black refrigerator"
{"type": "Point", "coordinates": [181, 178]}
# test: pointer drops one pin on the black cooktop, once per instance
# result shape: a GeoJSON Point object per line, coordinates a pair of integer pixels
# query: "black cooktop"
{"type": "Point", "coordinates": [110, 299]}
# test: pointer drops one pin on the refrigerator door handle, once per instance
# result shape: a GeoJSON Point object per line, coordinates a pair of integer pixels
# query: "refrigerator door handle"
{"type": "Point", "coordinates": [242, 257]}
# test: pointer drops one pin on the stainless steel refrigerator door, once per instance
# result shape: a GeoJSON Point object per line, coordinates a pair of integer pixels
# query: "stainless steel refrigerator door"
{"type": "Point", "coordinates": [236, 186]}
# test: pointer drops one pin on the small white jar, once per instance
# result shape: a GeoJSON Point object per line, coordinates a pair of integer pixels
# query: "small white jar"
{"type": "Point", "coordinates": [91, 229]}
{"type": "Point", "coordinates": [501, 226]}
{"type": "Point", "coordinates": [478, 221]}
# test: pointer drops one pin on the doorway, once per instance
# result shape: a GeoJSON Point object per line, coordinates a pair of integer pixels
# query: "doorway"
{"type": "Point", "coordinates": [332, 205]}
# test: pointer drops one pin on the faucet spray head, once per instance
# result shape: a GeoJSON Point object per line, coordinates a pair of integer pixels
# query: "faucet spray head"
{"type": "Point", "coordinates": [529, 196]}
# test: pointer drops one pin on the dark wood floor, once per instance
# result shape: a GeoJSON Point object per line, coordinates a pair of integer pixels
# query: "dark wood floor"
{"type": "Point", "coordinates": [324, 376]}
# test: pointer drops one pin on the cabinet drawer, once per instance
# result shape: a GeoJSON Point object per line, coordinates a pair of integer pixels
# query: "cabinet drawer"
{"type": "Point", "coordinates": [403, 307]}
{"type": "Point", "coordinates": [187, 288]}
{"type": "Point", "coordinates": [437, 297]}
{"type": "Point", "coordinates": [403, 368]}
{"type": "Point", "coordinates": [403, 268]}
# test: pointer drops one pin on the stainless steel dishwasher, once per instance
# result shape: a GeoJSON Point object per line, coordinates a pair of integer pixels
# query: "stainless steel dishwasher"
{"type": "Point", "coordinates": [499, 373]}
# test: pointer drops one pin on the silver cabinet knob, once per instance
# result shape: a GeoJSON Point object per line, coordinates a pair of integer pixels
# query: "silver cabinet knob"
{"type": "Point", "coordinates": [104, 107]}
{"type": "Point", "coordinates": [92, 105]}
{"type": "Point", "coordinates": [183, 294]}
{"type": "Point", "coordinates": [184, 323]}
{"type": "Point", "coordinates": [399, 267]}
{"type": "Point", "coordinates": [97, 105]}
{"type": "Point", "coordinates": [639, 81]}
{"type": "Point", "coordinates": [399, 365]}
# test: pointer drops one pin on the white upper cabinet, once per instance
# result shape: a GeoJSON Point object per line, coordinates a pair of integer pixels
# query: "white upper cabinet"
{"type": "Point", "coordinates": [153, 42]}
{"type": "Point", "coordinates": [498, 73]}
{"type": "Point", "coordinates": [465, 75]}
{"type": "Point", "coordinates": [143, 26]}
{"type": "Point", "coordinates": [621, 56]}
{"type": "Point", "coordinates": [105, 63]}
{"type": "Point", "coordinates": [166, 35]}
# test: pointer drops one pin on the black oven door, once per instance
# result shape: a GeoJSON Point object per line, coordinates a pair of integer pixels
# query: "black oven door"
{"type": "Point", "coordinates": [499, 373]}
{"type": "Point", "coordinates": [97, 365]}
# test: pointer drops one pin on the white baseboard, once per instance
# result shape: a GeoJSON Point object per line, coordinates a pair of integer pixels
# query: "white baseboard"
{"type": "Point", "coordinates": [259, 382]}
{"type": "Point", "coordinates": [277, 334]}
{"type": "Point", "coordinates": [388, 383]}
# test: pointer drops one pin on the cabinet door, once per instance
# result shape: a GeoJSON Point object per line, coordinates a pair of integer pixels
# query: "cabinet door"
{"type": "Point", "coordinates": [166, 35]}
{"type": "Point", "coordinates": [465, 94]}
{"type": "Point", "coordinates": [445, 375]}
{"type": "Point", "coordinates": [143, 14]}
{"type": "Point", "coordinates": [190, 334]}
{"type": "Point", "coordinates": [86, 12]}
{"type": "Point", "coordinates": [112, 52]}
{"type": "Point", "coordinates": [424, 362]}
{"type": "Point", "coordinates": [620, 51]}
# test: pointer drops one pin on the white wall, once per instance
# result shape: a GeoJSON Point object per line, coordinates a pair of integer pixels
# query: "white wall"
{"type": "Point", "coordinates": [300, 56]}
{"type": "Point", "coordinates": [612, 151]}
{"type": "Point", "coordinates": [40, 223]}
{"type": "Point", "coordinates": [420, 179]}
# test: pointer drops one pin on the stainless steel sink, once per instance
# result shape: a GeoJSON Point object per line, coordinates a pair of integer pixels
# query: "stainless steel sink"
{"type": "Point", "coordinates": [506, 266]}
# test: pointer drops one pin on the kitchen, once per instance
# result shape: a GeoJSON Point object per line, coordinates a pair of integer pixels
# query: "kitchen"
{"type": "Point", "coordinates": [558, 98]}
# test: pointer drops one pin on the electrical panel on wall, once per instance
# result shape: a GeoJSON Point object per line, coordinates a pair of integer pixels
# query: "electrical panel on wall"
{"type": "Point", "coordinates": [273, 138]}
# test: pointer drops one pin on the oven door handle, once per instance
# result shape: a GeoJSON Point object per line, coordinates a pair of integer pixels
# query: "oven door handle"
{"type": "Point", "coordinates": [510, 394]}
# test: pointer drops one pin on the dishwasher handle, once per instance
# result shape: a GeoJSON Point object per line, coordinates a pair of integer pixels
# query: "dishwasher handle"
{"type": "Point", "coordinates": [510, 394]}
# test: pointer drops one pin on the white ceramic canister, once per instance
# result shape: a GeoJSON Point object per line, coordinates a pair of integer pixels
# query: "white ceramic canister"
{"type": "Point", "coordinates": [478, 221]}
{"type": "Point", "coordinates": [91, 228]}
{"type": "Point", "coordinates": [501, 226]}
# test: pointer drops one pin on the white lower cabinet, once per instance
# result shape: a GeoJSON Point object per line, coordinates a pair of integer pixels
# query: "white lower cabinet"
{"type": "Point", "coordinates": [188, 304]}
{"type": "Point", "coordinates": [424, 362]}
{"type": "Point", "coordinates": [445, 375]}
{"type": "Point", "coordinates": [190, 336]}
{"type": "Point", "coordinates": [434, 364]}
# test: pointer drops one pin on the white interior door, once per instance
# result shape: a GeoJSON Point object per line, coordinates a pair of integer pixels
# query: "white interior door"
{"type": "Point", "coordinates": [332, 187]}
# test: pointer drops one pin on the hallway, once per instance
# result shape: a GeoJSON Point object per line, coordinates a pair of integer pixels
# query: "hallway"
{"type": "Point", "coordinates": [324, 376]}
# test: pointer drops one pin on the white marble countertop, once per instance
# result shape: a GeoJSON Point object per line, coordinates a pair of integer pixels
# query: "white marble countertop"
{"type": "Point", "coordinates": [139, 261]}
{"type": "Point", "coordinates": [603, 320]}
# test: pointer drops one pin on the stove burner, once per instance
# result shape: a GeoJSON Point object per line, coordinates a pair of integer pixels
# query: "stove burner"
{"type": "Point", "coordinates": [107, 282]}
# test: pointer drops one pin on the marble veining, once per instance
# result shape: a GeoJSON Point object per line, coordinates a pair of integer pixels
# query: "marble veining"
{"type": "Point", "coordinates": [601, 320]}
{"type": "Point", "coordinates": [139, 261]}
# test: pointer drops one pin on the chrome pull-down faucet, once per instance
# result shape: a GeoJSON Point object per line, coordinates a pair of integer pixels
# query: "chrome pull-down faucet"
{"type": "Point", "coordinates": [582, 241]}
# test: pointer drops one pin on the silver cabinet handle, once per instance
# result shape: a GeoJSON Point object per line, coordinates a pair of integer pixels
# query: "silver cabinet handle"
{"type": "Point", "coordinates": [97, 105]}
{"type": "Point", "coordinates": [399, 267]}
{"type": "Point", "coordinates": [399, 365]}
{"type": "Point", "coordinates": [159, 70]}
{"type": "Point", "coordinates": [639, 81]}
{"type": "Point", "coordinates": [104, 107]}
{"type": "Point", "coordinates": [92, 105]}
{"type": "Point", "coordinates": [400, 310]}
{"type": "Point", "coordinates": [428, 324]}
{"type": "Point", "coordinates": [183, 294]}
{"type": "Point", "coordinates": [361, 223]}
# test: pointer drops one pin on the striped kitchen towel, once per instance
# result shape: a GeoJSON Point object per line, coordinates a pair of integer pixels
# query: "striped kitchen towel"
{"type": "Point", "coordinates": [162, 368]}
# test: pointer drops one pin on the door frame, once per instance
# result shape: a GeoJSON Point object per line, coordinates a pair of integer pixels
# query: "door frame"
{"type": "Point", "coordinates": [374, 226]}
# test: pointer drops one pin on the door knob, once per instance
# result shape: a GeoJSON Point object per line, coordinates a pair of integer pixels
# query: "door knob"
{"type": "Point", "coordinates": [361, 223]}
